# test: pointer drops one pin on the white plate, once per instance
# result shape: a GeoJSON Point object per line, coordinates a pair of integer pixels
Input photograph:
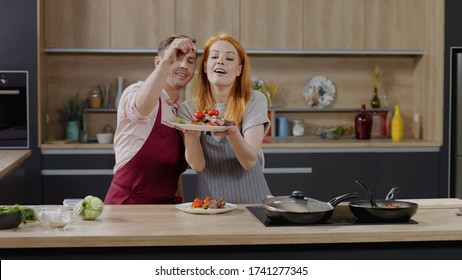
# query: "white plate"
{"type": "Point", "coordinates": [185, 208]}
{"type": "Point", "coordinates": [197, 127]}
{"type": "Point", "coordinates": [319, 92]}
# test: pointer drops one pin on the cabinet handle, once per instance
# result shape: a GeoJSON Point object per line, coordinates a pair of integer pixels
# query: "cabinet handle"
{"type": "Point", "coordinates": [287, 170]}
{"type": "Point", "coordinates": [62, 172]}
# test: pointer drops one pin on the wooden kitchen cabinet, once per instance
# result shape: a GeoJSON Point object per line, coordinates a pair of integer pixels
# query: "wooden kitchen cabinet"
{"type": "Point", "coordinates": [333, 24]}
{"type": "Point", "coordinates": [77, 24]}
{"type": "Point", "coordinates": [141, 23]}
{"type": "Point", "coordinates": [394, 25]}
{"type": "Point", "coordinates": [271, 24]}
{"type": "Point", "coordinates": [204, 18]}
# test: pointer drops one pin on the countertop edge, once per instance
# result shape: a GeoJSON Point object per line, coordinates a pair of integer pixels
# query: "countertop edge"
{"type": "Point", "coordinates": [11, 159]}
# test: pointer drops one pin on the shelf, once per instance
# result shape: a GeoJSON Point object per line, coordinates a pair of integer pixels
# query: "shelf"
{"type": "Point", "coordinates": [325, 110]}
{"type": "Point", "coordinates": [248, 51]}
{"type": "Point", "coordinates": [101, 110]}
{"type": "Point", "coordinates": [274, 111]}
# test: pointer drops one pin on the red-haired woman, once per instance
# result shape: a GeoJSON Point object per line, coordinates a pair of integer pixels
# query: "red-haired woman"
{"type": "Point", "coordinates": [229, 164]}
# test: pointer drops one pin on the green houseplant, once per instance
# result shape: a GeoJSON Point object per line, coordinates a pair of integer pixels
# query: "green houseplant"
{"type": "Point", "coordinates": [72, 113]}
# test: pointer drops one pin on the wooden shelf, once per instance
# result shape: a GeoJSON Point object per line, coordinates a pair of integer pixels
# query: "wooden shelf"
{"type": "Point", "coordinates": [325, 110]}
{"type": "Point", "coordinates": [100, 110]}
{"type": "Point", "coordinates": [248, 51]}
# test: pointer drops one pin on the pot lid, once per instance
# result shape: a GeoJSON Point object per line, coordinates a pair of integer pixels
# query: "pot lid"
{"type": "Point", "coordinates": [297, 202]}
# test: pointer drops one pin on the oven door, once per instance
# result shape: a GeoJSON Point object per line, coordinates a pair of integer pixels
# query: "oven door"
{"type": "Point", "coordinates": [14, 110]}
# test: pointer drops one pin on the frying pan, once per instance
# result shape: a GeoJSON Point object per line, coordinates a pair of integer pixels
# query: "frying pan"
{"type": "Point", "coordinates": [384, 210]}
{"type": "Point", "coordinates": [299, 209]}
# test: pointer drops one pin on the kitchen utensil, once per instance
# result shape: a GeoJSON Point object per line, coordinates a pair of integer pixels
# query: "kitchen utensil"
{"type": "Point", "coordinates": [382, 210]}
{"type": "Point", "coordinates": [371, 197]}
{"type": "Point", "coordinates": [299, 209]}
{"type": "Point", "coordinates": [391, 196]}
{"type": "Point", "coordinates": [386, 210]}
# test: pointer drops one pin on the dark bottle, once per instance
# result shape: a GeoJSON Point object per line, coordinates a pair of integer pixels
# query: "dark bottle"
{"type": "Point", "coordinates": [363, 124]}
{"type": "Point", "coordinates": [375, 103]}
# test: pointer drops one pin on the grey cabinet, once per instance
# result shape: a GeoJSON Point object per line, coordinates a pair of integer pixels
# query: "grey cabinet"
{"type": "Point", "coordinates": [285, 170]}
{"type": "Point", "coordinates": [75, 174]}
{"type": "Point", "coordinates": [415, 173]}
{"type": "Point", "coordinates": [288, 170]}
{"type": "Point", "coordinates": [13, 187]}
{"type": "Point", "coordinates": [320, 175]}
{"type": "Point", "coordinates": [335, 174]}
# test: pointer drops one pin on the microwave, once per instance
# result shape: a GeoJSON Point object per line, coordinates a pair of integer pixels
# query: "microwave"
{"type": "Point", "coordinates": [14, 109]}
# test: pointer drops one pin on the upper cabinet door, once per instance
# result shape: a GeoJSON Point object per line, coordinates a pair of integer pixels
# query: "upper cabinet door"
{"type": "Point", "coordinates": [333, 24]}
{"type": "Point", "coordinates": [272, 24]}
{"type": "Point", "coordinates": [201, 19]}
{"type": "Point", "coordinates": [394, 24]}
{"type": "Point", "coordinates": [141, 23]}
{"type": "Point", "coordinates": [83, 23]}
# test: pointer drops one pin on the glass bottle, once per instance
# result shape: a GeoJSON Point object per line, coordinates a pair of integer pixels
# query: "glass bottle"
{"type": "Point", "coordinates": [363, 124]}
{"type": "Point", "coordinates": [397, 125]}
{"type": "Point", "coordinates": [417, 126]}
{"type": "Point", "coordinates": [297, 128]}
{"type": "Point", "coordinates": [95, 99]}
{"type": "Point", "coordinates": [375, 103]}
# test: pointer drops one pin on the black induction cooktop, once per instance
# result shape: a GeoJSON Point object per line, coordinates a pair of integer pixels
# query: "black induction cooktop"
{"type": "Point", "coordinates": [259, 213]}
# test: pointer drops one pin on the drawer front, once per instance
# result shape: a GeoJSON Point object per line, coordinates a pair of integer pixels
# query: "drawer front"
{"type": "Point", "coordinates": [58, 188]}
{"type": "Point", "coordinates": [87, 161]}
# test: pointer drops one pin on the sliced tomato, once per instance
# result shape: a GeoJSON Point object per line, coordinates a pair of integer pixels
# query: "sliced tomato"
{"type": "Point", "coordinates": [205, 112]}
{"type": "Point", "coordinates": [198, 115]}
{"type": "Point", "coordinates": [214, 112]}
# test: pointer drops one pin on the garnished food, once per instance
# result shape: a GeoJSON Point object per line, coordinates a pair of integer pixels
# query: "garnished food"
{"type": "Point", "coordinates": [208, 203]}
{"type": "Point", "coordinates": [27, 214]}
{"type": "Point", "coordinates": [389, 206]}
{"type": "Point", "coordinates": [209, 117]}
{"type": "Point", "coordinates": [89, 208]}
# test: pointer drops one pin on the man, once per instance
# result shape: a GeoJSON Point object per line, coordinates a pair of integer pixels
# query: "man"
{"type": "Point", "coordinates": [149, 152]}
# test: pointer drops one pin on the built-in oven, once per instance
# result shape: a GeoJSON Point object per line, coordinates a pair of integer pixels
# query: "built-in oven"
{"type": "Point", "coordinates": [14, 109]}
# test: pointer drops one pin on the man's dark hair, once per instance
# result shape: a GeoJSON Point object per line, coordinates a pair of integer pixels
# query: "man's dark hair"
{"type": "Point", "coordinates": [167, 41]}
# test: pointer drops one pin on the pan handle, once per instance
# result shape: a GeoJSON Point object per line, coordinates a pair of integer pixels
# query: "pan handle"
{"type": "Point", "coordinates": [391, 196]}
{"type": "Point", "coordinates": [335, 201]}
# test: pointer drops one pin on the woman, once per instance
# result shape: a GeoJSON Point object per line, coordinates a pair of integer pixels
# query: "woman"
{"type": "Point", "coordinates": [229, 164]}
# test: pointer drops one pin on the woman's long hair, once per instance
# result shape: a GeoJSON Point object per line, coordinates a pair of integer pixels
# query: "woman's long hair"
{"type": "Point", "coordinates": [241, 89]}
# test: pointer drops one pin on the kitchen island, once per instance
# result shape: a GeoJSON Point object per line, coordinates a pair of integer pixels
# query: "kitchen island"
{"type": "Point", "coordinates": [162, 231]}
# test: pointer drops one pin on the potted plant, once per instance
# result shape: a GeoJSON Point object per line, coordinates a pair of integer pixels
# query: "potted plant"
{"type": "Point", "coordinates": [72, 113]}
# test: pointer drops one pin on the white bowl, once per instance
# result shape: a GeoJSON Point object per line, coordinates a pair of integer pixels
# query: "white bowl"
{"type": "Point", "coordinates": [104, 138]}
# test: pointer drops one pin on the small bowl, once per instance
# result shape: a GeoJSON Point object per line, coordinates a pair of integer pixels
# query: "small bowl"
{"type": "Point", "coordinates": [104, 138]}
{"type": "Point", "coordinates": [70, 203]}
{"type": "Point", "coordinates": [10, 220]}
{"type": "Point", "coordinates": [56, 218]}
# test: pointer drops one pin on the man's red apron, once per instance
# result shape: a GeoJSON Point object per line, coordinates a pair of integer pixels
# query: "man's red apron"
{"type": "Point", "coordinates": [151, 176]}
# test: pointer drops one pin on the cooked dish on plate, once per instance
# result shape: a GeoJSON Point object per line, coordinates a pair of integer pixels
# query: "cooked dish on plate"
{"type": "Point", "coordinates": [206, 120]}
{"type": "Point", "coordinates": [206, 206]}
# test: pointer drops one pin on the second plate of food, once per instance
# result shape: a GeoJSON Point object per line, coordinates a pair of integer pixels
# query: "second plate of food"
{"type": "Point", "coordinates": [186, 207]}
